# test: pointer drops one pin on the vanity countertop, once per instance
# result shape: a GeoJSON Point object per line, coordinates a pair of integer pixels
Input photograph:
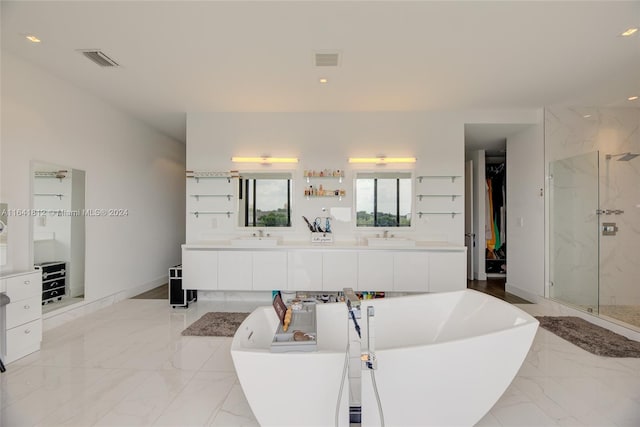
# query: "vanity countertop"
{"type": "Point", "coordinates": [340, 245]}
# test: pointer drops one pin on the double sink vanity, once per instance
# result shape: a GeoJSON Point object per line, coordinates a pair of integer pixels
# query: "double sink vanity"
{"type": "Point", "coordinates": [264, 263]}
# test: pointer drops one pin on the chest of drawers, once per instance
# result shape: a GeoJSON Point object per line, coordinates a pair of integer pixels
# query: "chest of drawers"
{"type": "Point", "coordinates": [22, 327]}
{"type": "Point", "coordinates": [54, 275]}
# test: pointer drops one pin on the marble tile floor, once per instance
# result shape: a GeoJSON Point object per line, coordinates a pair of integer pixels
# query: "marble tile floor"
{"type": "Point", "coordinates": [128, 365]}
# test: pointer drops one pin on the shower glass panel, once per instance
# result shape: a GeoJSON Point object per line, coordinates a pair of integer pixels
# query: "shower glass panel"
{"type": "Point", "coordinates": [574, 231]}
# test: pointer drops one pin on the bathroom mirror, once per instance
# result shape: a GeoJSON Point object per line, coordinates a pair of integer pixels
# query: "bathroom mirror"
{"type": "Point", "coordinates": [59, 232]}
{"type": "Point", "coordinates": [383, 199]}
{"type": "Point", "coordinates": [264, 200]}
{"type": "Point", "coordinates": [4, 231]}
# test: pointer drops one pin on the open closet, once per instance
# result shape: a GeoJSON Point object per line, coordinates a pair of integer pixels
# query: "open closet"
{"type": "Point", "coordinates": [495, 224]}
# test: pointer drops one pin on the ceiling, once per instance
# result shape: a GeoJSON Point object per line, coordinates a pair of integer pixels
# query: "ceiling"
{"type": "Point", "coordinates": [183, 56]}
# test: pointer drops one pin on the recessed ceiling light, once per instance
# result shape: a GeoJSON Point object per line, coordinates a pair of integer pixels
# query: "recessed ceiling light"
{"type": "Point", "coordinates": [32, 38]}
{"type": "Point", "coordinates": [586, 116]}
{"type": "Point", "coordinates": [323, 80]}
{"type": "Point", "coordinates": [629, 32]}
{"type": "Point", "coordinates": [632, 98]}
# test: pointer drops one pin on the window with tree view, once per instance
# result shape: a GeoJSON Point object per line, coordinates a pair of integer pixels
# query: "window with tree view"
{"type": "Point", "coordinates": [265, 200]}
{"type": "Point", "coordinates": [383, 200]}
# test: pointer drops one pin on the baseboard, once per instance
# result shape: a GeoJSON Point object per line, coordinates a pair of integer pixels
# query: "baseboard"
{"type": "Point", "coordinates": [66, 314]}
{"type": "Point", "coordinates": [523, 294]}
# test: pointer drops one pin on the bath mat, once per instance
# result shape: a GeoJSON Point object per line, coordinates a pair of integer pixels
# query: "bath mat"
{"type": "Point", "coordinates": [590, 337]}
{"type": "Point", "coordinates": [216, 324]}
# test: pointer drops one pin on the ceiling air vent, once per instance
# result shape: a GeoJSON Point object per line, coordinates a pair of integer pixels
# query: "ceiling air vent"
{"type": "Point", "coordinates": [327, 59]}
{"type": "Point", "coordinates": [99, 58]}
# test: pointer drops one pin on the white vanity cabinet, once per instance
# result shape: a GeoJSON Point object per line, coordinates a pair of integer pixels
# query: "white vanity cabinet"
{"type": "Point", "coordinates": [200, 269]}
{"type": "Point", "coordinates": [269, 270]}
{"type": "Point", "coordinates": [375, 271]}
{"type": "Point", "coordinates": [304, 270]}
{"type": "Point", "coordinates": [447, 271]}
{"type": "Point", "coordinates": [235, 270]}
{"type": "Point", "coordinates": [410, 271]}
{"type": "Point", "coordinates": [339, 270]}
{"type": "Point", "coordinates": [22, 325]}
{"type": "Point", "coordinates": [331, 268]}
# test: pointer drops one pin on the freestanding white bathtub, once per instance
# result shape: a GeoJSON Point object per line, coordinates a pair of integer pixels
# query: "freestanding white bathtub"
{"type": "Point", "coordinates": [296, 388]}
{"type": "Point", "coordinates": [442, 359]}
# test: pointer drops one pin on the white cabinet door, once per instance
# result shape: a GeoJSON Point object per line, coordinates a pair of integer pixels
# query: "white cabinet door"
{"type": "Point", "coordinates": [447, 271]}
{"type": "Point", "coordinates": [269, 270]}
{"type": "Point", "coordinates": [410, 271]}
{"type": "Point", "coordinates": [304, 271]}
{"type": "Point", "coordinates": [199, 269]}
{"type": "Point", "coordinates": [339, 270]}
{"type": "Point", "coordinates": [234, 271]}
{"type": "Point", "coordinates": [375, 271]}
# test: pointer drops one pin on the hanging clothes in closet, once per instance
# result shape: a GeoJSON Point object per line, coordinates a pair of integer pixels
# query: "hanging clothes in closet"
{"type": "Point", "coordinates": [495, 219]}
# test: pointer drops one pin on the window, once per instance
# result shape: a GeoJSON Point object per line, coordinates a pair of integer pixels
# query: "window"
{"type": "Point", "coordinates": [265, 200]}
{"type": "Point", "coordinates": [383, 200]}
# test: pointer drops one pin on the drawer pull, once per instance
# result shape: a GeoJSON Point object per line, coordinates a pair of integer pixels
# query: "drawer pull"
{"type": "Point", "coordinates": [27, 331]}
{"type": "Point", "coordinates": [27, 306]}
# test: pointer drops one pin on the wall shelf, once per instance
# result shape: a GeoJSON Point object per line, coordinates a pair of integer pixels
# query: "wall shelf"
{"type": "Point", "coordinates": [209, 175]}
{"type": "Point", "coordinates": [59, 196]}
{"type": "Point", "coordinates": [198, 213]}
{"type": "Point", "coordinates": [339, 196]}
{"type": "Point", "coordinates": [453, 196]}
{"type": "Point", "coordinates": [339, 178]}
{"type": "Point", "coordinates": [197, 196]}
{"type": "Point", "coordinates": [453, 214]}
{"type": "Point", "coordinates": [453, 177]}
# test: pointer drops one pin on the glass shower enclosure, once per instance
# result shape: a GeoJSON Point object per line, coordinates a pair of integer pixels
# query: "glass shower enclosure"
{"type": "Point", "coordinates": [574, 228]}
{"type": "Point", "coordinates": [594, 225]}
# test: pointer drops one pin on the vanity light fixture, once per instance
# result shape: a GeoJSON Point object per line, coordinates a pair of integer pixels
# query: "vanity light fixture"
{"type": "Point", "coordinates": [629, 32]}
{"type": "Point", "coordinates": [32, 38]}
{"type": "Point", "coordinates": [382, 160]}
{"type": "Point", "coordinates": [266, 160]}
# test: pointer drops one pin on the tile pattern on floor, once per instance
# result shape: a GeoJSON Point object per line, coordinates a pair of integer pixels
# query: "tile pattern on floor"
{"type": "Point", "coordinates": [128, 365]}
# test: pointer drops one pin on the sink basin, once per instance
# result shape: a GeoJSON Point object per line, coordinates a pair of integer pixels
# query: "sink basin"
{"type": "Point", "coordinates": [254, 242]}
{"type": "Point", "coordinates": [390, 242]}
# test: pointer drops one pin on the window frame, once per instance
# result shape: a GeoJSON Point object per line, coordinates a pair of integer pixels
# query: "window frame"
{"type": "Point", "coordinates": [243, 188]}
{"type": "Point", "coordinates": [397, 175]}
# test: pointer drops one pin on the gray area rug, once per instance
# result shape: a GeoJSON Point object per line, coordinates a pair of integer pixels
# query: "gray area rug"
{"type": "Point", "coordinates": [216, 324]}
{"type": "Point", "coordinates": [590, 337]}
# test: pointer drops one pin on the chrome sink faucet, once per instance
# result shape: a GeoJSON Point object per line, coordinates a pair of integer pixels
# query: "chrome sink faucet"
{"type": "Point", "coordinates": [385, 234]}
{"type": "Point", "coordinates": [260, 233]}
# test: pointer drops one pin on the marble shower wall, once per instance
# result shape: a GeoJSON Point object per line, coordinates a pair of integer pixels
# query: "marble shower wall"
{"type": "Point", "coordinates": [569, 133]}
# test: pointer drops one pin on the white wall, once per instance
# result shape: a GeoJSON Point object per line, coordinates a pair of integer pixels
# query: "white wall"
{"type": "Point", "coordinates": [127, 166]}
{"type": "Point", "coordinates": [326, 140]}
{"type": "Point", "coordinates": [525, 212]}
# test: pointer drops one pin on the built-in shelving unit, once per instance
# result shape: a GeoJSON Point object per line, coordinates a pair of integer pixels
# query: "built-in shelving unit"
{"type": "Point", "coordinates": [326, 175]}
{"type": "Point", "coordinates": [198, 196]}
{"type": "Point", "coordinates": [59, 196]}
{"type": "Point", "coordinates": [453, 214]}
{"type": "Point", "coordinates": [453, 196]}
{"type": "Point", "coordinates": [437, 191]}
{"type": "Point", "coordinates": [452, 177]}
{"type": "Point", "coordinates": [207, 197]}
{"type": "Point", "coordinates": [198, 213]}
